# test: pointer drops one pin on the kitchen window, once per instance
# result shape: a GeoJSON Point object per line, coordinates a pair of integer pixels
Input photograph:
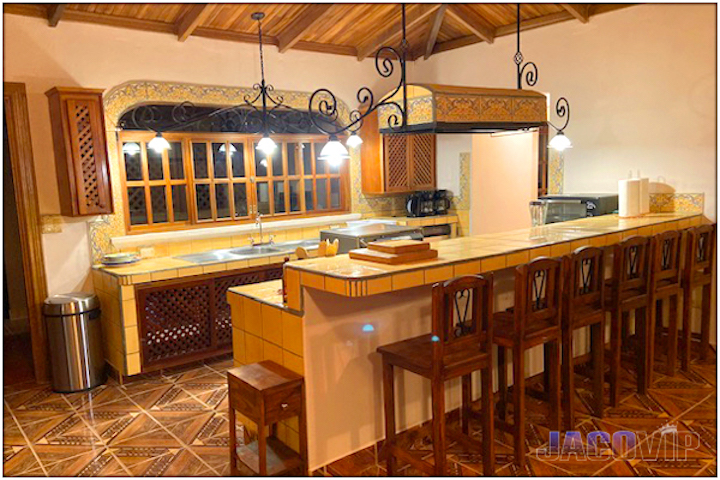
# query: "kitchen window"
{"type": "Point", "coordinates": [207, 179]}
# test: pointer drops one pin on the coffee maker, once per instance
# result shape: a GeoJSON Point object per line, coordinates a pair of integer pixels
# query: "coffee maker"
{"type": "Point", "coordinates": [441, 202]}
{"type": "Point", "coordinates": [421, 204]}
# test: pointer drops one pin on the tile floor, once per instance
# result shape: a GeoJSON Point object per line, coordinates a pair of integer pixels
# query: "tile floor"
{"type": "Point", "coordinates": [175, 424]}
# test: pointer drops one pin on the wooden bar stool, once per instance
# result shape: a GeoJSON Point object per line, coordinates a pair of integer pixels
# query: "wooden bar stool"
{"type": "Point", "coordinates": [629, 291]}
{"type": "Point", "coordinates": [698, 271]}
{"type": "Point", "coordinates": [534, 320]}
{"type": "Point", "coordinates": [267, 393]}
{"type": "Point", "coordinates": [665, 284]}
{"type": "Point", "coordinates": [584, 306]}
{"type": "Point", "coordinates": [460, 343]}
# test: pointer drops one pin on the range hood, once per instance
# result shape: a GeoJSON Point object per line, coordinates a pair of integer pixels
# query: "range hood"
{"type": "Point", "coordinates": [453, 109]}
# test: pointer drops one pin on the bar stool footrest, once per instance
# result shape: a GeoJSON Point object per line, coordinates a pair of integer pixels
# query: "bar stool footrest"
{"type": "Point", "coordinates": [280, 458]}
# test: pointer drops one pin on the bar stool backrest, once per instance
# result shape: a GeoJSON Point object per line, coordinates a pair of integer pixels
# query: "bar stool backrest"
{"type": "Point", "coordinates": [699, 250]}
{"type": "Point", "coordinates": [665, 258]}
{"type": "Point", "coordinates": [538, 293]}
{"type": "Point", "coordinates": [585, 280]}
{"type": "Point", "coordinates": [631, 272]}
{"type": "Point", "coordinates": [462, 315]}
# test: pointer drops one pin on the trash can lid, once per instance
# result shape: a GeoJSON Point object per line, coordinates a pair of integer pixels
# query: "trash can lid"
{"type": "Point", "coordinates": [70, 304]}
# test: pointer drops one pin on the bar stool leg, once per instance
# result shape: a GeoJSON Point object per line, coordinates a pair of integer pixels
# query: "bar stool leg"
{"type": "Point", "coordinates": [672, 336]}
{"type": "Point", "coordinates": [233, 443]}
{"type": "Point", "coordinates": [519, 404]}
{"type": "Point", "coordinates": [615, 346]}
{"type": "Point", "coordinates": [705, 322]}
{"type": "Point", "coordinates": [502, 384]}
{"type": "Point", "coordinates": [262, 443]}
{"type": "Point", "coordinates": [553, 367]}
{"type": "Point", "coordinates": [438, 425]}
{"type": "Point", "coordinates": [389, 401]}
{"type": "Point", "coordinates": [687, 331]}
{"type": "Point", "coordinates": [641, 351]}
{"type": "Point", "coordinates": [568, 373]}
{"type": "Point", "coordinates": [466, 400]}
{"type": "Point", "coordinates": [547, 353]}
{"type": "Point", "coordinates": [488, 428]}
{"type": "Point", "coordinates": [597, 345]}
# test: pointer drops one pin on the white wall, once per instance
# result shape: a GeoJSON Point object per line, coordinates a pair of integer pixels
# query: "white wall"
{"type": "Point", "coordinates": [97, 56]}
{"type": "Point", "coordinates": [449, 147]}
{"type": "Point", "coordinates": [642, 86]}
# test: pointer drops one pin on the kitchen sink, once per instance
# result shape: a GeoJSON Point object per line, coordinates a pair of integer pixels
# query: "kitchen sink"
{"type": "Point", "coordinates": [257, 250]}
{"type": "Point", "coordinates": [232, 254]}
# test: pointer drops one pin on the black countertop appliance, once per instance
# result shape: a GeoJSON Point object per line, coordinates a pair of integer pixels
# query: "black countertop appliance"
{"type": "Point", "coordinates": [569, 206]}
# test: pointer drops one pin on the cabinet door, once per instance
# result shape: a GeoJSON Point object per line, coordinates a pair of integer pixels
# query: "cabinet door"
{"type": "Point", "coordinates": [422, 161]}
{"type": "Point", "coordinates": [397, 171]}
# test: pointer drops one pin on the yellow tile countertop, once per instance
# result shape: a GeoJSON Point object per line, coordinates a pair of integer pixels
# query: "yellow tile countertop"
{"type": "Point", "coordinates": [472, 255]}
{"type": "Point", "coordinates": [269, 293]}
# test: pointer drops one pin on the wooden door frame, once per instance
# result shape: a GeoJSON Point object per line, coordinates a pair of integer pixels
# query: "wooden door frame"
{"type": "Point", "coordinates": [23, 172]}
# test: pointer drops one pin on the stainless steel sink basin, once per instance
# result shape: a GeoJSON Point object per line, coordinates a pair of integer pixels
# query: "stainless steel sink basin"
{"type": "Point", "coordinates": [257, 250]}
{"type": "Point", "coordinates": [232, 254]}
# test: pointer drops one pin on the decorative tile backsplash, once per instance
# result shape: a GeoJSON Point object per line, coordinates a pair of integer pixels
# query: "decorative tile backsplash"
{"type": "Point", "coordinates": [677, 202]}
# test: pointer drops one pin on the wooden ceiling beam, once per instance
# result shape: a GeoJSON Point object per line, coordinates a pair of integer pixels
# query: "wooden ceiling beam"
{"type": "Point", "coordinates": [415, 14]}
{"type": "Point", "coordinates": [196, 14]}
{"type": "Point", "coordinates": [301, 25]}
{"type": "Point", "coordinates": [580, 11]}
{"type": "Point", "coordinates": [434, 30]}
{"type": "Point", "coordinates": [55, 13]}
{"type": "Point", "coordinates": [473, 21]}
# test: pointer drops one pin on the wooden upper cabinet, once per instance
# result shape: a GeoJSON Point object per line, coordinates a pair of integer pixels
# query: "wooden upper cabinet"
{"type": "Point", "coordinates": [394, 162]}
{"type": "Point", "coordinates": [83, 173]}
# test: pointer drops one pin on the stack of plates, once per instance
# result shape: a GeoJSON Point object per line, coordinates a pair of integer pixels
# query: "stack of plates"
{"type": "Point", "coordinates": [112, 259]}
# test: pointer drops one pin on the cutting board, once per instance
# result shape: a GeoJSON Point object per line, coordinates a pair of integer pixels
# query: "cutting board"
{"type": "Point", "coordinates": [392, 258]}
{"type": "Point", "coordinates": [399, 246]}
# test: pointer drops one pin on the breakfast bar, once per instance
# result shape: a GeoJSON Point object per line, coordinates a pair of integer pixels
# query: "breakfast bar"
{"type": "Point", "coordinates": [338, 311]}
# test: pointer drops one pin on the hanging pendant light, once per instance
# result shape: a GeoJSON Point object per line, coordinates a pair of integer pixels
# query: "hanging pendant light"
{"type": "Point", "coordinates": [559, 142]}
{"type": "Point", "coordinates": [334, 152]}
{"type": "Point", "coordinates": [159, 143]}
{"type": "Point", "coordinates": [266, 145]}
{"type": "Point", "coordinates": [323, 106]}
{"type": "Point", "coordinates": [354, 141]}
{"type": "Point", "coordinates": [232, 149]}
{"type": "Point", "coordinates": [131, 148]}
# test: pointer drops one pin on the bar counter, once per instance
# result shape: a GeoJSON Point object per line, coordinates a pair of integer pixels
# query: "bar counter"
{"type": "Point", "coordinates": [338, 311]}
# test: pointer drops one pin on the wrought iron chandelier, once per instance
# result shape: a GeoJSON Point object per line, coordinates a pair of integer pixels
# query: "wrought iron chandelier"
{"type": "Point", "coordinates": [529, 71]}
{"type": "Point", "coordinates": [264, 112]}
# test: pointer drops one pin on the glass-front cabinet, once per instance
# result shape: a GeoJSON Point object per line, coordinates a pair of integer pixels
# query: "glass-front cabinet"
{"type": "Point", "coordinates": [223, 178]}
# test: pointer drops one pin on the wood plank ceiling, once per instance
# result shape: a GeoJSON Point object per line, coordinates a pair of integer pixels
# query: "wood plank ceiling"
{"type": "Point", "coordinates": [346, 29]}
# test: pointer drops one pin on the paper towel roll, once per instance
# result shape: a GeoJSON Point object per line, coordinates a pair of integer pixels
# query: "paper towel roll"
{"type": "Point", "coordinates": [629, 197]}
{"type": "Point", "coordinates": [644, 196]}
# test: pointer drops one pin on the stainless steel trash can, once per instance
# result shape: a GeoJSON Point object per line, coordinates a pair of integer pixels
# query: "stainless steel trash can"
{"type": "Point", "coordinates": [75, 341]}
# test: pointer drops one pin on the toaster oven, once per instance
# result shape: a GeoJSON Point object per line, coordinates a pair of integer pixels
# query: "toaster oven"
{"type": "Point", "coordinates": [564, 207]}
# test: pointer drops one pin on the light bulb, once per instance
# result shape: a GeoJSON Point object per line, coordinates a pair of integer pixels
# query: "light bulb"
{"type": "Point", "coordinates": [131, 148]}
{"type": "Point", "coordinates": [334, 152]}
{"type": "Point", "coordinates": [159, 143]}
{"type": "Point", "coordinates": [266, 145]}
{"type": "Point", "coordinates": [560, 142]}
{"type": "Point", "coordinates": [232, 149]}
{"type": "Point", "coordinates": [354, 141]}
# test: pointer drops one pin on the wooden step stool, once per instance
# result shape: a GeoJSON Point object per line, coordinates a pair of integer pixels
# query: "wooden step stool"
{"type": "Point", "coordinates": [267, 393]}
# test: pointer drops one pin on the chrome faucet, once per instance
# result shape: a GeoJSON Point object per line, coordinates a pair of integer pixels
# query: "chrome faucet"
{"type": "Point", "coordinates": [258, 223]}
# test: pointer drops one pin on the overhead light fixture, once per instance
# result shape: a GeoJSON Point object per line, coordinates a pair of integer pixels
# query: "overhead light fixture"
{"type": "Point", "coordinates": [354, 141]}
{"type": "Point", "coordinates": [325, 103]}
{"type": "Point", "coordinates": [159, 143]}
{"type": "Point", "coordinates": [266, 145]}
{"type": "Point", "coordinates": [334, 152]}
{"type": "Point", "coordinates": [232, 149]}
{"type": "Point", "coordinates": [562, 107]}
{"type": "Point", "coordinates": [131, 148]}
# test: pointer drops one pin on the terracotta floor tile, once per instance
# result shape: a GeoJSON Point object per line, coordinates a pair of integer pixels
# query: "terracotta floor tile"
{"type": "Point", "coordinates": [354, 464]}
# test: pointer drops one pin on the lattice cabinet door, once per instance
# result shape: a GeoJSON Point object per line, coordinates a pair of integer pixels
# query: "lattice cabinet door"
{"type": "Point", "coordinates": [83, 173]}
{"type": "Point", "coordinates": [397, 171]}
{"type": "Point", "coordinates": [422, 161]}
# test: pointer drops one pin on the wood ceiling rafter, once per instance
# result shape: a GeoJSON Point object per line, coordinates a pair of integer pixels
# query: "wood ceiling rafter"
{"type": "Point", "coordinates": [55, 13]}
{"type": "Point", "coordinates": [357, 30]}
{"type": "Point", "coordinates": [434, 30]}
{"type": "Point", "coordinates": [310, 16]}
{"type": "Point", "coordinates": [195, 15]}
{"type": "Point", "coordinates": [415, 14]}
{"type": "Point", "coordinates": [580, 11]}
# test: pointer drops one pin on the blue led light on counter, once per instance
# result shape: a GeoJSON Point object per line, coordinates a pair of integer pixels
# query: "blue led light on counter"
{"type": "Point", "coordinates": [435, 338]}
{"type": "Point", "coordinates": [368, 328]}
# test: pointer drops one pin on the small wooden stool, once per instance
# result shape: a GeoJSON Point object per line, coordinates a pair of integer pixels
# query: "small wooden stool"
{"type": "Point", "coordinates": [267, 393]}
